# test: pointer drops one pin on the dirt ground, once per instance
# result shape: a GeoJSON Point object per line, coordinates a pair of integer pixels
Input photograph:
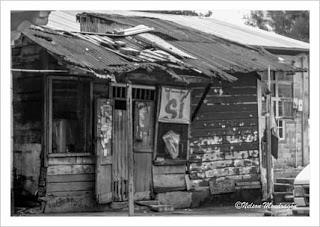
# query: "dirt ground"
{"type": "Point", "coordinates": [203, 211]}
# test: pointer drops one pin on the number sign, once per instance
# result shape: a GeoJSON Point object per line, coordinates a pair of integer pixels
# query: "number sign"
{"type": "Point", "coordinates": [175, 105]}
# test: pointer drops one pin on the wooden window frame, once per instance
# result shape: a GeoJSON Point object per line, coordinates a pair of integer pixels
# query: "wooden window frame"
{"type": "Point", "coordinates": [283, 136]}
{"type": "Point", "coordinates": [276, 99]}
{"type": "Point", "coordinates": [49, 118]}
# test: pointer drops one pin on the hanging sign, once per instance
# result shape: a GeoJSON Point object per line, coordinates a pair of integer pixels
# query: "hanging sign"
{"type": "Point", "coordinates": [175, 105]}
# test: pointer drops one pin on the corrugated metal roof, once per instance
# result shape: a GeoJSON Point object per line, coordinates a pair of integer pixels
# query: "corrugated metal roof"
{"type": "Point", "coordinates": [91, 53]}
{"type": "Point", "coordinates": [77, 51]}
{"type": "Point", "coordinates": [213, 53]}
{"type": "Point", "coordinates": [165, 45]}
{"type": "Point", "coordinates": [243, 34]}
{"type": "Point", "coordinates": [65, 20]}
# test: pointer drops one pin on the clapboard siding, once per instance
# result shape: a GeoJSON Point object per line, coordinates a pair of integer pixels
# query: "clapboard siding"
{"type": "Point", "coordinates": [71, 176]}
{"type": "Point", "coordinates": [224, 135]}
{"type": "Point", "coordinates": [70, 169]}
{"type": "Point", "coordinates": [70, 186]}
{"type": "Point", "coordinates": [222, 124]}
{"type": "Point", "coordinates": [27, 100]}
{"type": "Point", "coordinates": [70, 160]}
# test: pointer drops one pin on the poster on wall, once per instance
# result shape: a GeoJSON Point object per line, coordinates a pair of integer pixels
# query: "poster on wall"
{"type": "Point", "coordinates": [175, 105]}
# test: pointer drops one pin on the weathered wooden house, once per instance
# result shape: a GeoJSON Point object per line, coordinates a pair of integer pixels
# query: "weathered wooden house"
{"type": "Point", "coordinates": [291, 96]}
{"type": "Point", "coordinates": [195, 101]}
{"type": "Point", "coordinates": [290, 93]}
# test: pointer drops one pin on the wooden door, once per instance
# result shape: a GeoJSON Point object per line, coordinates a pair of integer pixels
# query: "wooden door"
{"type": "Point", "coordinates": [143, 148]}
{"type": "Point", "coordinates": [120, 157]}
{"type": "Point", "coordinates": [104, 153]}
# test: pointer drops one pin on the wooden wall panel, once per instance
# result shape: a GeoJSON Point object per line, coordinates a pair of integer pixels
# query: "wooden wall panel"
{"type": "Point", "coordinates": [224, 140]}
{"type": "Point", "coordinates": [143, 173]}
{"type": "Point", "coordinates": [70, 169]}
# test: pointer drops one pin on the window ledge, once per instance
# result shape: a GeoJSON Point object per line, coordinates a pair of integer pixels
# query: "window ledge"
{"type": "Point", "coordinates": [69, 154]}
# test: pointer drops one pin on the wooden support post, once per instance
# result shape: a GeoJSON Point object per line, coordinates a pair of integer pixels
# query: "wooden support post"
{"type": "Point", "coordinates": [268, 129]}
{"type": "Point", "coordinates": [302, 115]}
{"type": "Point", "coordinates": [204, 94]}
{"type": "Point", "coordinates": [130, 151]}
{"type": "Point", "coordinates": [155, 142]}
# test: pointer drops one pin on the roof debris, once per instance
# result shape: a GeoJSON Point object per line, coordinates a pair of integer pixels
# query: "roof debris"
{"type": "Point", "coordinates": [110, 54]}
{"type": "Point", "coordinates": [134, 31]}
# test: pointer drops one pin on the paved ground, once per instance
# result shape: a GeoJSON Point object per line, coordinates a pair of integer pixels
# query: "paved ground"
{"type": "Point", "coordinates": [203, 211]}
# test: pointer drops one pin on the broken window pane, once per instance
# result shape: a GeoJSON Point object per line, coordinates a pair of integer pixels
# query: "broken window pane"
{"type": "Point", "coordinates": [70, 116]}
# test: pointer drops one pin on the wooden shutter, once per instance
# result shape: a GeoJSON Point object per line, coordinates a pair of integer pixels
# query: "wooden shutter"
{"type": "Point", "coordinates": [287, 108]}
{"type": "Point", "coordinates": [103, 146]}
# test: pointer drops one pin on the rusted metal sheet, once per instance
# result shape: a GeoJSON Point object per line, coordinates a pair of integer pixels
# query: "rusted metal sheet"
{"type": "Point", "coordinates": [212, 52]}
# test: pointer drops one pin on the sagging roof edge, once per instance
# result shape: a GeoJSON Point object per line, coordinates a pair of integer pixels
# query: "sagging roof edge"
{"type": "Point", "coordinates": [111, 75]}
{"type": "Point", "coordinates": [265, 49]}
{"type": "Point", "coordinates": [108, 73]}
{"type": "Point", "coordinates": [97, 15]}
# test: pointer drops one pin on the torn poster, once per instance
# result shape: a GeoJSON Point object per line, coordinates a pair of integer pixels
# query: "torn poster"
{"type": "Point", "coordinates": [172, 140]}
{"type": "Point", "coordinates": [175, 105]}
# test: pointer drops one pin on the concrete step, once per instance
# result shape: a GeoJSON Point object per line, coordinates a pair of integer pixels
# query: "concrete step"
{"type": "Point", "coordinates": [285, 180]}
{"type": "Point", "coordinates": [281, 187]}
{"type": "Point", "coordinates": [286, 173]}
{"type": "Point", "coordinates": [280, 197]}
{"type": "Point", "coordinates": [147, 202]}
{"type": "Point", "coordinates": [155, 205]}
{"type": "Point", "coordinates": [161, 208]}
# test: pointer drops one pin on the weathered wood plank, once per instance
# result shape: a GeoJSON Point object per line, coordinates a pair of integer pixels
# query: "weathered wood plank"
{"type": "Point", "coordinates": [160, 170]}
{"type": "Point", "coordinates": [70, 160]}
{"type": "Point", "coordinates": [239, 90]}
{"type": "Point", "coordinates": [214, 156]}
{"type": "Point", "coordinates": [224, 163]}
{"type": "Point", "coordinates": [142, 172]}
{"type": "Point", "coordinates": [195, 149]}
{"type": "Point", "coordinates": [70, 178]}
{"type": "Point", "coordinates": [223, 131]}
{"type": "Point", "coordinates": [169, 181]}
{"type": "Point", "coordinates": [222, 172]}
{"type": "Point", "coordinates": [216, 140]}
{"type": "Point", "coordinates": [245, 177]}
{"type": "Point", "coordinates": [71, 193]}
{"type": "Point", "coordinates": [216, 99]}
{"type": "Point", "coordinates": [214, 108]}
{"type": "Point", "coordinates": [70, 186]}
{"type": "Point", "coordinates": [212, 124]}
{"type": "Point", "coordinates": [227, 115]}
{"type": "Point", "coordinates": [70, 169]}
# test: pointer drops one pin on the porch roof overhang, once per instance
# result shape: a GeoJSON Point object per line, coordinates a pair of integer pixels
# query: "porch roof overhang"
{"type": "Point", "coordinates": [113, 56]}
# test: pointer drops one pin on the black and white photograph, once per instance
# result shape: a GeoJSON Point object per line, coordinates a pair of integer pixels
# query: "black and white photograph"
{"type": "Point", "coordinates": [187, 112]}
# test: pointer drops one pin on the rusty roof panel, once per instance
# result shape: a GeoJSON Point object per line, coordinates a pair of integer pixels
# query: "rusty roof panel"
{"type": "Point", "coordinates": [77, 51]}
{"type": "Point", "coordinates": [213, 53]}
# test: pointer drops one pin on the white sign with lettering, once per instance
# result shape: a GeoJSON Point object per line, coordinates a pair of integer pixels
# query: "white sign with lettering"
{"type": "Point", "coordinates": [175, 105]}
